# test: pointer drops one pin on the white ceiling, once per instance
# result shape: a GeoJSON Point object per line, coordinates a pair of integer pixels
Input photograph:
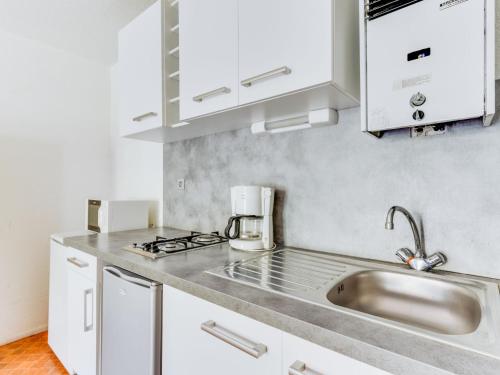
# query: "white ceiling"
{"type": "Point", "coordinates": [85, 27]}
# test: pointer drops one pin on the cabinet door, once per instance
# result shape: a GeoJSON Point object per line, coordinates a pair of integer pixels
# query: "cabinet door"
{"type": "Point", "coordinates": [58, 306]}
{"type": "Point", "coordinates": [189, 349]}
{"type": "Point", "coordinates": [140, 73]}
{"type": "Point", "coordinates": [208, 56]}
{"type": "Point", "coordinates": [82, 324]}
{"type": "Point", "coordinates": [304, 357]}
{"type": "Point", "coordinates": [284, 46]}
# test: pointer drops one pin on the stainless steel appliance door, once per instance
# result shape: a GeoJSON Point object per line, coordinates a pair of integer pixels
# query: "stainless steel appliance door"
{"type": "Point", "coordinates": [131, 324]}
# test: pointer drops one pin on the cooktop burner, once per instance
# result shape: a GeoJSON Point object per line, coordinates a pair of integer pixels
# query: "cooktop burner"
{"type": "Point", "coordinates": [206, 238]}
{"type": "Point", "coordinates": [162, 246]}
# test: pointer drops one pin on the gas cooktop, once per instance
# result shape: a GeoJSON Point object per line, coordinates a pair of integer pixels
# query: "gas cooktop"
{"type": "Point", "coordinates": [162, 246]}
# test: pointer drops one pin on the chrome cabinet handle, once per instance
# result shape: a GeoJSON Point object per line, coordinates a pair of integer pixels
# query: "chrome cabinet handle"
{"type": "Point", "coordinates": [284, 70]}
{"type": "Point", "coordinates": [300, 368]}
{"type": "Point", "coordinates": [144, 116]}
{"type": "Point", "coordinates": [219, 91]}
{"type": "Point", "coordinates": [254, 349]}
{"type": "Point", "coordinates": [86, 326]}
{"type": "Point", "coordinates": [77, 262]}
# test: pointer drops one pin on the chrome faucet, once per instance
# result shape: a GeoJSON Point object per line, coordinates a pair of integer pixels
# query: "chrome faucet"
{"type": "Point", "coordinates": [418, 260]}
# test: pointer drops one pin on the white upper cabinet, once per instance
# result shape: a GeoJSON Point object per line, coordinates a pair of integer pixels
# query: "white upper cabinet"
{"type": "Point", "coordinates": [284, 46]}
{"type": "Point", "coordinates": [140, 73]}
{"type": "Point", "coordinates": [208, 56]}
{"type": "Point", "coordinates": [189, 68]}
{"type": "Point", "coordinates": [148, 72]}
{"type": "Point", "coordinates": [302, 54]}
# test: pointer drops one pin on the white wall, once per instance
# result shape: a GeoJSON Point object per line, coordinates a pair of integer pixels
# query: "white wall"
{"type": "Point", "coordinates": [137, 171]}
{"type": "Point", "coordinates": [336, 184]}
{"type": "Point", "coordinates": [54, 152]}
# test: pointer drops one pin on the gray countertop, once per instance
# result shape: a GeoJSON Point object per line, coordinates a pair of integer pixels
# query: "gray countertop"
{"type": "Point", "coordinates": [388, 348]}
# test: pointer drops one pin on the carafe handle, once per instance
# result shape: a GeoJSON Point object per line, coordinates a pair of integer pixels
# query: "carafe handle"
{"type": "Point", "coordinates": [236, 233]}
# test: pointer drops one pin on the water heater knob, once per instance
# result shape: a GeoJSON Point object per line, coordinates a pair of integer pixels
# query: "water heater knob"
{"type": "Point", "coordinates": [417, 99]}
{"type": "Point", "coordinates": [418, 115]}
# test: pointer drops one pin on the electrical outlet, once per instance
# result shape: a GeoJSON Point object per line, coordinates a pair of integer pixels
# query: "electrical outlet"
{"type": "Point", "coordinates": [180, 184]}
{"type": "Point", "coordinates": [428, 130]}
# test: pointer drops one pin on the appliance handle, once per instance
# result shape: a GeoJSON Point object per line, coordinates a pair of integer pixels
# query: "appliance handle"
{"type": "Point", "coordinates": [300, 368]}
{"type": "Point", "coordinates": [254, 349]}
{"type": "Point", "coordinates": [141, 282]}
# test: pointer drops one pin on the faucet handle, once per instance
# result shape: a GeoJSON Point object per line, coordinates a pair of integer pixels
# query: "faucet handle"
{"type": "Point", "coordinates": [405, 255]}
{"type": "Point", "coordinates": [436, 259]}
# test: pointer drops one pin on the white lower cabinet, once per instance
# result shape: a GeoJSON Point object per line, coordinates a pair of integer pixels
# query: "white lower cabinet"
{"type": "Point", "coordinates": [301, 357]}
{"type": "Point", "coordinates": [58, 302]}
{"type": "Point", "coordinates": [72, 309]}
{"type": "Point", "coordinates": [202, 338]}
{"type": "Point", "coordinates": [81, 324]}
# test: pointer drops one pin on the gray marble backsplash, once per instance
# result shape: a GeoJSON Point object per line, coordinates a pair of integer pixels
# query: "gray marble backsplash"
{"type": "Point", "coordinates": [335, 185]}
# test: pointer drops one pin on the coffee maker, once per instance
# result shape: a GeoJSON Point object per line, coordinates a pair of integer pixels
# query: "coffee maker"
{"type": "Point", "coordinates": [252, 218]}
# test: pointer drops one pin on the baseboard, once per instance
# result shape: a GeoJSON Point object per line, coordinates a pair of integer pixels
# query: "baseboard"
{"type": "Point", "coordinates": [25, 334]}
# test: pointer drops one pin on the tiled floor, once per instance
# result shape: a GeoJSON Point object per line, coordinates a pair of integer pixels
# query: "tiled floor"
{"type": "Point", "coordinates": [29, 356]}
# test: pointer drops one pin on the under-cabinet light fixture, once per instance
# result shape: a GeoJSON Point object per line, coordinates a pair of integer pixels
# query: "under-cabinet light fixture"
{"type": "Point", "coordinates": [313, 119]}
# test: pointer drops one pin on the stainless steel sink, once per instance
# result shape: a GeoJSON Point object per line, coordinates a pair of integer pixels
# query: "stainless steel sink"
{"type": "Point", "coordinates": [431, 304]}
{"type": "Point", "coordinates": [457, 309]}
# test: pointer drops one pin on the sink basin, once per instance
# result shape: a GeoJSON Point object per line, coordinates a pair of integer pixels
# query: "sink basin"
{"type": "Point", "coordinates": [427, 303]}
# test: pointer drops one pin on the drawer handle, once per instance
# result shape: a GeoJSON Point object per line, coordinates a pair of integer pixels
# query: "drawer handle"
{"type": "Point", "coordinates": [144, 116]}
{"type": "Point", "coordinates": [254, 349]}
{"type": "Point", "coordinates": [77, 262]}
{"type": "Point", "coordinates": [219, 91]}
{"type": "Point", "coordinates": [300, 368]}
{"type": "Point", "coordinates": [284, 70]}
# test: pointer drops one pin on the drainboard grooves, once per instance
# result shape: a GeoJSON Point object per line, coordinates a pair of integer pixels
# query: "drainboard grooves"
{"type": "Point", "coordinates": [291, 263]}
{"type": "Point", "coordinates": [255, 280]}
{"type": "Point", "coordinates": [285, 270]}
{"type": "Point", "coordinates": [269, 278]}
{"type": "Point", "coordinates": [280, 276]}
{"type": "Point", "coordinates": [316, 263]}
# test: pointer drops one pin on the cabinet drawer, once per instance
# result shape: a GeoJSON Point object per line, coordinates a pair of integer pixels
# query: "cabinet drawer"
{"type": "Point", "coordinates": [200, 337]}
{"type": "Point", "coordinates": [304, 357]}
{"type": "Point", "coordinates": [82, 263]}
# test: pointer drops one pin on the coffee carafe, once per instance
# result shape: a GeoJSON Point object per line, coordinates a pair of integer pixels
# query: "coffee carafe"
{"type": "Point", "coordinates": [252, 218]}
